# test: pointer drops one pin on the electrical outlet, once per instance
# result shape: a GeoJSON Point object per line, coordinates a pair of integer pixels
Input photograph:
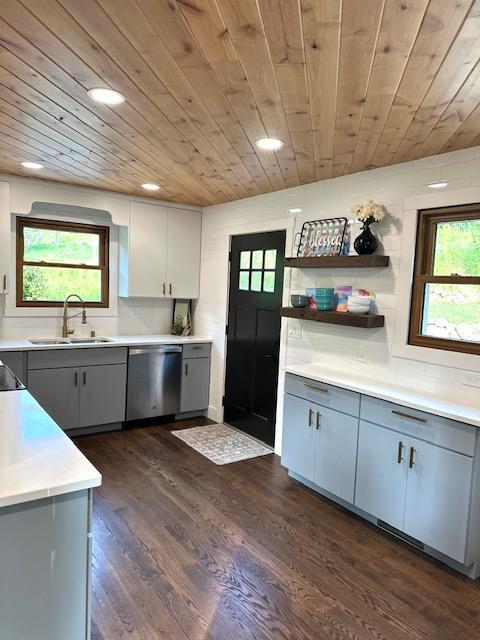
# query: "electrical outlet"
{"type": "Point", "coordinates": [471, 379]}
{"type": "Point", "coordinates": [294, 328]}
{"type": "Point", "coordinates": [360, 356]}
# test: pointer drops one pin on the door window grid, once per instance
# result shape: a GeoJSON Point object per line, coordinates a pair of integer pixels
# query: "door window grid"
{"type": "Point", "coordinates": [257, 270]}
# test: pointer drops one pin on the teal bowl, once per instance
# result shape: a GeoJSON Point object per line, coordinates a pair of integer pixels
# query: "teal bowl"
{"type": "Point", "coordinates": [325, 305]}
{"type": "Point", "coordinates": [324, 291]}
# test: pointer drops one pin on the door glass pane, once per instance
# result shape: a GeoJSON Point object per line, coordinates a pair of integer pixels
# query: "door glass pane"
{"type": "Point", "coordinates": [54, 284]}
{"type": "Point", "coordinates": [50, 245]}
{"type": "Point", "coordinates": [269, 281]}
{"type": "Point", "coordinates": [457, 248]}
{"type": "Point", "coordinates": [243, 280]}
{"type": "Point", "coordinates": [452, 312]}
{"type": "Point", "coordinates": [257, 259]}
{"type": "Point", "coordinates": [256, 281]}
{"type": "Point", "coordinates": [244, 259]}
{"type": "Point", "coordinates": [270, 258]}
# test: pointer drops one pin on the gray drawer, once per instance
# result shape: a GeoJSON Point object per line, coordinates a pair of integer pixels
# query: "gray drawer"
{"type": "Point", "coordinates": [75, 357]}
{"type": "Point", "coordinates": [324, 394]}
{"type": "Point", "coordinates": [450, 434]}
{"type": "Point", "coordinates": [200, 350]}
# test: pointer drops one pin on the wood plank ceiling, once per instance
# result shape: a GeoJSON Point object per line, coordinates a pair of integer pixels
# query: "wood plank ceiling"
{"type": "Point", "coordinates": [347, 85]}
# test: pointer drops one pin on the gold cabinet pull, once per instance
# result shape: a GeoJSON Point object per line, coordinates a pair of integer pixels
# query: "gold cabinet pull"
{"type": "Point", "coordinates": [410, 417]}
{"type": "Point", "coordinates": [310, 417]}
{"type": "Point", "coordinates": [314, 388]}
{"type": "Point", "coordinates": [400, 452]}
{"type": "Point", "coordinates": [319, 418]}
{"type": "Point", "coordinates": [411, 462]}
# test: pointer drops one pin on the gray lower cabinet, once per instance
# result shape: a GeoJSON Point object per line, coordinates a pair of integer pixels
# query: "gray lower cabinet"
{"type": "Point", "coordinates": [195, 384]}
{"type": "Point", "coordinates": [56, 390]}
{"type": "Point", "coordinates": [102, 394]}
{"type": "Point", "coordinates": [80, 394]}
{"type": "Point", "coordinates": [16, 361]}
{"type": "Point", "coordinates": [45, 557]}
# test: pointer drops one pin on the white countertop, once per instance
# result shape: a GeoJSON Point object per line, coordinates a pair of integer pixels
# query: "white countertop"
{"type": "Point", "coordinates": [37, 459]}
{"type": "Point", "coordinates": [116, 341]}
{"type": "Point", "coordinates": [392, 393]}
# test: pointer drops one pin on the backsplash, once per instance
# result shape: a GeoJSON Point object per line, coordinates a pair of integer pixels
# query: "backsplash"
{"type": "Point", "coordinates": [135, 316]}
{"type": "Point", "coordinates": [367, 352]}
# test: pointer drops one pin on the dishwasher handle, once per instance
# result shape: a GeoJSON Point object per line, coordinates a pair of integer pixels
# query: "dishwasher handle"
{"type": "Point", "coordinates": [159, 349]}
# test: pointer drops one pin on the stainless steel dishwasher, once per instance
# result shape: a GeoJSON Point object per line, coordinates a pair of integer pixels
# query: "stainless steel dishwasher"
{"type": "Point", "coordinates": [154, 381]}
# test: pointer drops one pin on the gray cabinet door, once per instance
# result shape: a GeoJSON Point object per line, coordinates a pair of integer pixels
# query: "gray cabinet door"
{"type": "Point", "coordinates": [102, 394]}
{"type": "Point", "coordinates": [195, 384]}
{"type": "Point", "coordinates": [299, 436]}
{"type": "Point", "coordinates": [56, 390]}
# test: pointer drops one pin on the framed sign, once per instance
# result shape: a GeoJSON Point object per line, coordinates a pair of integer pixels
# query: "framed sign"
{"type": "Point", "coordinates": [322, 237]}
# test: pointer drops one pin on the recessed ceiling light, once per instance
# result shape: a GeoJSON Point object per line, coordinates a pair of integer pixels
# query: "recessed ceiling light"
{"type": "Point", "coordinates": [269, 144]}
{"type": "Point", "coordinates": [32, 165]}
{"type": "Point", "coordinates": [438, 185]}
{"type": "Point", "coordinates": [149, 186]}
{"type": "Point", "coordinates": [106, 96]}
{"type": "Point", "coordinates": [295, 211]}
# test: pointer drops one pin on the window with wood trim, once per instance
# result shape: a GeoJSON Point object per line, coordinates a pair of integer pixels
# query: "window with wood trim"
{"type": "Point", "coordinates": [56, 259]}
{"type": "Point", "coordinates": [445, 309]}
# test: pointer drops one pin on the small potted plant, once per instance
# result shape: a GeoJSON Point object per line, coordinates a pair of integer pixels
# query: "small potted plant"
{"type": "Point", "coordinates": [368, 213]}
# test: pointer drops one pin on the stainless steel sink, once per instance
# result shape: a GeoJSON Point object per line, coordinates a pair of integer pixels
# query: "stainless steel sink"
{"type": "Point", "coordinates": [89, 340]}
{"type": "Point", "coordinates": [47, 341]}
{"type": "Point", "coordinates": [71, 341]}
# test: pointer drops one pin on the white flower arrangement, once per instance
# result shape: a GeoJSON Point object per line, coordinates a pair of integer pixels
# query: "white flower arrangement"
{"type": "Point", "coordinates": [369, 212]}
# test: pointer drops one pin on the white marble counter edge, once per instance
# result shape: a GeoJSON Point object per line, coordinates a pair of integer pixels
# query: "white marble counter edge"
{"type": "Point", "coordinates": [116, 341]}
{"type": "Point", "coordinates": [59, 490]}
{"type": "Point", "coordinates": [400, 395]}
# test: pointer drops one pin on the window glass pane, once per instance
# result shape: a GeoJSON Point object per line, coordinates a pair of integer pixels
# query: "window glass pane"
{"type": "Point", "coordinates": [244, 259]}
{"type": "Point", "coordinates": [270, 258]}
{"type": "Point", "coordinates": [256, 281]}
{"type": "Point", "coordinates": [49, 245]}
{"type": "Point", "coordinates": [452, 312]}
{"type": "Point", "coordinates": [457, 248]}
{"type": "Point", "coordinates": [257, 259]}
{"type": "Point", "coordinates": [54, 284]}
{"type": "Point", "coordinates": [269, 281]}
{"type": "Point", "coordinates": [243, 280]}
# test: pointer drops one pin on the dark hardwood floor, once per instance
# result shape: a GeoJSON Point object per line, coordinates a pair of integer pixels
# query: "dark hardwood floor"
{"type": "Point", "coordinates": [186, 549]}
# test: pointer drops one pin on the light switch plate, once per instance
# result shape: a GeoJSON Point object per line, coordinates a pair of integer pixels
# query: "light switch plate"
{"type": "Point", "coordinates": [294, 328]}
{"type": "Point", "coordinates": [471, 379]}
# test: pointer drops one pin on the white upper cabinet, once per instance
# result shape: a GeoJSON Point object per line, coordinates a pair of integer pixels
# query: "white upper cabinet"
{"type": "Point", "coordinates": [5, 221]}
{"type": "Point", "coordinates": [160, 253]}
{"type": "Point", "coordinates": [183, 253]}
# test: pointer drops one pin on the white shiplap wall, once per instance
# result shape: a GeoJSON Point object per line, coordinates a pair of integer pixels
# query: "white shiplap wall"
{"type": "Point", "coordinates": [344, 348]}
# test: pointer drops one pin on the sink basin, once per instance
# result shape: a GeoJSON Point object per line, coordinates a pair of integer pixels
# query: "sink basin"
{"type": "Point", "coordinates": [89, 340]}
{"type": "Point", "coordinates": [70, 341]}
{"type": "Point", "coordinates": [47, 341]}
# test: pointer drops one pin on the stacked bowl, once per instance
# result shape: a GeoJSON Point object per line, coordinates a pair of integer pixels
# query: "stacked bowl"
{"type": "Point", "coordinates": [359, 304]}
{"type": "Point", "coordinates": [324, 298]}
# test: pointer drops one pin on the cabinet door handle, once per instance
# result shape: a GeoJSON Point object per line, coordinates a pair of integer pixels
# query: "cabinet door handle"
{"type": "Point", "coordinates": [4, 281]}
{"type": "Point", "coordinates": [170, 288]}
{"type": "Point", "coordinates": [164, 288]}
{"type": "Point", "coordinates": [314, 388]}
{"type": "Point", "coordinates": [84, 378]}
{"type": "Point", "coordinates": [410, 417]}
{"type": "Point", "coordinates": [310, 417]}
{"type": "Point", "coordinates": [411, 462]}
{"type": "Point", "coordinates": [400, 452]}
{"type": "Point", "coordinates": [75, 378]}
{"type": "Point", "coordinates": [186, 368]}
{"type": "Point", "coordinates": [319, 418]}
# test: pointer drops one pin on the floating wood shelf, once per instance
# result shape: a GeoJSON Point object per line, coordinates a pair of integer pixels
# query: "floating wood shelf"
{"type": "Point", "coordinates": [337, 262]}
{"type": "Point", "coordinates": [367, 321]}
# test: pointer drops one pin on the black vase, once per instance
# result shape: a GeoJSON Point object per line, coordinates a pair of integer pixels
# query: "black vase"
{"type": "Point", "coordinates": [366, 243]}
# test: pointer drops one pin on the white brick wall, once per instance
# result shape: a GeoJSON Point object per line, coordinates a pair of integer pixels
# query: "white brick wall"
{"type": "Point", "coordinates": [335, 346]}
